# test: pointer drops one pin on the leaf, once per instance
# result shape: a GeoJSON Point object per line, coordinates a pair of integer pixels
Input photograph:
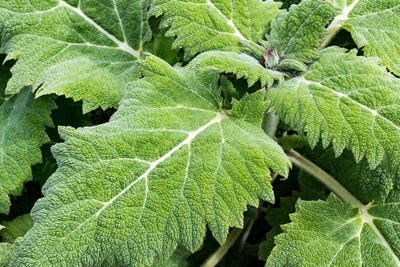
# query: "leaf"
{"type": "Point", "coordinates": [374, 26]}
{"type": "Point", "coordinates": [81, 49]}
{"type": "Point", "coordinates": [276, 217]}
{"type": "Point", "coordinates": [298, 34]}
{"type": "Point", "coordinates": [347, 100]}
{"type": "Point", "coordinates": [6, 252]}
{"type": "Point", "coordinates": [366, 184]}
{"type": "Point", "coordinates": [215, 25]}
{"type": "Point", "coordinates": [22, 132]}
{"type": "Point", "coordinates": [331, 233]}
{"type": "Point", "coordinates": [167, 164]}
{"type": "Point", "coordinates": [16, 228]}
{"type": "Point", "coordinates": [241, 65]}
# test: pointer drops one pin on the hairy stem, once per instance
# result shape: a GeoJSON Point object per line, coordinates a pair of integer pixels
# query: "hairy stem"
{"type": "Point", "coordinates": [324, 177]}
{"type": "Point", "coordinates": [222, 250]}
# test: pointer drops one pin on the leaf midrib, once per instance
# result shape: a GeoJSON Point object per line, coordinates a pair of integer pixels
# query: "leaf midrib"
{"type": "Point", "coordinates": [122, 45]}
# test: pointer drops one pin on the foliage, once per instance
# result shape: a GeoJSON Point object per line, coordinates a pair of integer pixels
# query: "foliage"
{"type": "Point", "coordinates": [141, 132]}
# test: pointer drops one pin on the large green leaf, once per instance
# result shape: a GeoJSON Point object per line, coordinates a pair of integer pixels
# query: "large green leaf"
{"type": "Point", "coordinates": [298, 34]}
{"type": "Point", "coordinates": [22, 132]}
{"type": "Point", "coordinates": [203, 25]}
{"type": "Point", "coordinates": [168, 163]}
{"type": "Point", "coordinates": [331, 233]}
{"type": "Point", "coordinates": [347, 100]}
{"type": "Point", "coordinates": [374, 26]}
{"type": "Point", "coordinates": [241, 65]}
{"type": "Point", "coordinates": [81, 49]}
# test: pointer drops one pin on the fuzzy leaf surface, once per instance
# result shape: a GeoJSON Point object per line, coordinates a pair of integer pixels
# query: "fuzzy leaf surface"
{"type": "Point", "coordinates": [298, 34]}
{"type": "Point", "coordinates": [347, 100]}
{"type": "Point", "coordinates": [241, 65]}
{"type": "Point", "coordinates": [366, 184]}
{"type": "Point", "coordinates": [16, 228]}
{"type": "Point", "coordinates": [168, 163]}
{"type": "Point", "coordinates": [22, 132]}
{"type": "Point", "coordinates": [375, 27]}
{"type": "Point", "coordinates": [204, 25]}
{"type": "Point", "coordinates": [81, 49]}
{"type": "Point", "coordinates": [331, 233]}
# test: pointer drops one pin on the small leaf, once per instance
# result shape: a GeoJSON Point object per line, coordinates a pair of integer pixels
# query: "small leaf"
{"type": "Point", "coordinates": [16, 228]}
{"type": "Point", "coordinates": [241, 65]}
{"type": "Point", "coordinates": [298, 34]}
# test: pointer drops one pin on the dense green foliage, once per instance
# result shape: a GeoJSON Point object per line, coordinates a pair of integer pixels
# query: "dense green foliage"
{"type": "Point", "coordinates": [178, 133]}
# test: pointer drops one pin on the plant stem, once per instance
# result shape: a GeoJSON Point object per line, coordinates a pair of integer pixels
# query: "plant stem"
{"type": "Point", "coordinates": [324, 177]}
{"type": "Point", "coordinates": [333, 29]}
{"type": "Point", "coordinates": [222, 250]}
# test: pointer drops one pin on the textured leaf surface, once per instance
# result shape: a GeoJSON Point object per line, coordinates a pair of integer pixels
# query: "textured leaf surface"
{"type": "Point", "coordinates": [16, 228]}
{"type": "Point", "coordinates": [22, 132]}
{"type": "Point", "coordinates": [366, 184]}
{"type": "Point", "coordinates": [298, 34]}
{"type": "Point", "coordinates": [6, 252]}
{"type": "Point", "coordinates": [241, 65]}
{"type": "Point", "coordinates": [375, 27]}
{"type": "Point", "coordinates": [203, 25]}
{"type": "Point", "coordinates": [331, 233]}
{"type": "Point", "coordinates": [168, 163]}
{"type": "Point", "coordinates": [81, 49]}
{"type": "Point", "coordinates": [350, 101]}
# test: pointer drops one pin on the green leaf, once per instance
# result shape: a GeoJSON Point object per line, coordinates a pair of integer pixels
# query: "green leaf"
{"type": "Point", "coordinates": [6, 252]}
{"type": "Point", "coordinates": [331, 233]}
{"type": "Point", "coordinates": [366, 184]}
{"type": "Point", "coordinates": [347, 100]}
{"type": "Point", "coordinates": [16, 228]}
{"type": "Point", "coordinates": [208, 25]}
{"type": "Point", "coordinates": [168, 163]}
{"type": "Point", "coordinates": [22, 132]}
{"type": "Point", "coordinates": [298, 34]}
{"type": "Point", "coordinates": [241, 65]}
{"type": "Point", "coordinates": [276, 217]}
{"type": "Point", "coordinates": [81, 49]}
{"type": "Point", "coordinates": [374, 26]}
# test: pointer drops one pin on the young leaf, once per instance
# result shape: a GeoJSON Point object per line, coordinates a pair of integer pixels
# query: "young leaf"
{"type": "Point", "coordinates": [168, 163]}
{"type": "Point", "coordinates": [81, 49]}
{"type": "Point", "coordinates": [22, 132]}
{"type": "Point", "coordinates": [374, 26]}
{"type": "Point", "coordinates": [298, 34]}
{"type": "Point", "coordinates": [350, 101]}
{"type": "Point", "coordinates": [241, 65]}
{"type": "Point", "coordinates": [331, 233]}
{"type": "Point", "coordinates": [208, 25]}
